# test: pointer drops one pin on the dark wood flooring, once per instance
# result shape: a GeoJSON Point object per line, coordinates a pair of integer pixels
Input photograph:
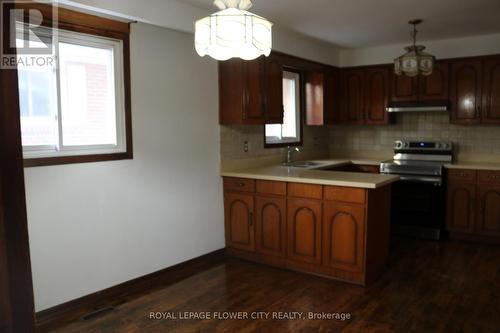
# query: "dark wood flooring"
{"type": "Point", "coordinates": [450, 287]}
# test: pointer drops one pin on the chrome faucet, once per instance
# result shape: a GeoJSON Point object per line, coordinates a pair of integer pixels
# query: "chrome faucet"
{"type": "Point", "coordinates": [289, 154]}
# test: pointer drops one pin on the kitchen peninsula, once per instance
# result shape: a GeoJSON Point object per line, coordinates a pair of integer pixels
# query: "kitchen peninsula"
{"type": "Point", "coordinates": [330, 223]}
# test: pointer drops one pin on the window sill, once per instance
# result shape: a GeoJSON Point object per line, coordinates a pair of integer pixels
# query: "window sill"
{"type": "Point", "coordinates": [59, 160]}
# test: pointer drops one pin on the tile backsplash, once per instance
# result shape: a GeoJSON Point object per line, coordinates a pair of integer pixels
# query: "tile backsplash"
{"type": "Point", "coordinates": [473, 143]}
{"type": "Point", "coordinates": [469, 141]}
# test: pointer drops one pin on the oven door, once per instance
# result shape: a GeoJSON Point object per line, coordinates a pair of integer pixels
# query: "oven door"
{"type": "Point", "coordinates": [418, 206]}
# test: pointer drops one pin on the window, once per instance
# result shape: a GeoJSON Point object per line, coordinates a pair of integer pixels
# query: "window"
{"type": "Point", "coordinates": [76, 110]}
{"type": "Point", "coordinates": [288, 133]}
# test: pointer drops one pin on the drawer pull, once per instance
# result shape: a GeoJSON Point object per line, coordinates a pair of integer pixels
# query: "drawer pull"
{"type": "Point", "coordinates": [239, 184]}
{"type": "Point", "coordinates": [493, 177]}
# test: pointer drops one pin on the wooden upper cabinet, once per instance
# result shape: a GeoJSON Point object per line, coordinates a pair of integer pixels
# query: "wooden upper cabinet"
{"type": "Point", "coordinates": [488, 222]}
{"type": "Point", "coordinates": [270, 222]}
{"type": "Point", "coordinates": [435, 87]}
{"type": "Point", "coordinates": [273, 90]}
{"type": "Point", "coordinates": [343, 236]}
{"type": "Point", "coordinates": [322, 96]}
{"type": "Point", "coordinates": [377, 94]}
{"type": "Point", "coordinates": [304, 230]}
{"type": "Point", "coordinates": [315, 98]}
{"type": "Point", "coordinates": [239, 221]}
{"type": "Point", "coordinates": [491, 91]}
{"type": "Point", "coordinates": [403, 88]}
{"type": "Point", "coordinates": [353, 97]}
{"type": "Point", "coordinates": [250, 92]}
{"type": "Point", "coordinates": [461, 203]}
{"type": "Point", "coordinates": [465, 91]}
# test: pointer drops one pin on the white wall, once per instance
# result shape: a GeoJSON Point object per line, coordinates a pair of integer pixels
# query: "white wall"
{"type": "Point", "coordinates": [95, 225]}
{"type": "Point", "coordinates": [447, 48]}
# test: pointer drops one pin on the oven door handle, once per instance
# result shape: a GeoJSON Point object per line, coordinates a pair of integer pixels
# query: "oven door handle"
{"type": "Point", "coordinates": [436, 181]}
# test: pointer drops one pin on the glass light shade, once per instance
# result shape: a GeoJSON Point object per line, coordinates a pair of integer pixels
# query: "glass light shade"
{"type": "Point", "coordinates": [233, 33]}
{"type": "Point", "coordinates": [414, 62]}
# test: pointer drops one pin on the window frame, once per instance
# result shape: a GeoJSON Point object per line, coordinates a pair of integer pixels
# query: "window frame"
{"type": "Point", "coordinates": [85, 24]}
{"type": "Point", "coordinates": [301, 113]}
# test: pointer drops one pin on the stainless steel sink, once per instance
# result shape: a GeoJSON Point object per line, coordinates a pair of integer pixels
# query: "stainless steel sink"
{"type": "Point", "coordinates": [303, 164]}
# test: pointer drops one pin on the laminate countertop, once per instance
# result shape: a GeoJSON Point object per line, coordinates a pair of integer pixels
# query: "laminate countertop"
{"type": "Point", "coordinates": [315, 175]}
{"type": "Point", "coordinates": [474, 166]}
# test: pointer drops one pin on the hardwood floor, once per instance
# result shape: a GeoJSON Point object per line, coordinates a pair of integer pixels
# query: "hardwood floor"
{"type": "Point", "coordinates": [449, 286]}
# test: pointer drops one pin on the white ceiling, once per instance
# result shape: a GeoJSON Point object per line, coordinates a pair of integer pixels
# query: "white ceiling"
{"type": "Point", "coordinates": [361, 23]}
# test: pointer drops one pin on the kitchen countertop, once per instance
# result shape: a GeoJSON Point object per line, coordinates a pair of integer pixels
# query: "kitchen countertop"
{"type": "Point", "coordinates": [474, 166]}
{"type": "Point", "coordinates": [314, 175]}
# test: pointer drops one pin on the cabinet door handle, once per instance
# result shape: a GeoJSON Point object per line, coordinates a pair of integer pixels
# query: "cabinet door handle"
{"type": "Point", "coordinates": [250, 218]}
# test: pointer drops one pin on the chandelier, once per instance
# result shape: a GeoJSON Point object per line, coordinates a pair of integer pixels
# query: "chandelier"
{"type": "Point", "coordinates": [415, 61]}
{"type": "Point", "coordinates": [233, 32]}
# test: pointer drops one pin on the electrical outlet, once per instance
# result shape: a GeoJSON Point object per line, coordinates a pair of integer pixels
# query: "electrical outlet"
{"type": "Point", "coordinates": [245, 146]}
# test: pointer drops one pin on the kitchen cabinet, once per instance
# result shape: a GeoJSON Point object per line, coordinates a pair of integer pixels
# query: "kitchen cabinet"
{"type": "Point", "coordinates": [270, 222]}
{"type": "Point", "coordinates": [465, 91]}
{"type": "Point", "coordinates": [322, 96]}
{"type": "Point", "coordinates": [304, 230]}
{"type": "Point", "coordinates": [239, 221]}
{"type": "Point", "coordinates": [473, 201]}
{"type": "Point", "coordinates": [353, 96]}
{"type": "Point", "coordinates": [343, 236]}
{"type": "Point", "coordinates": [491, 91]}
{"type": "Point", "coordinates": [461, 204]}
{"type": "Point", "coordinates": [334, 231]}
{"type": "Point", "coordinates": [434, 87]}
{"type": "Point", "coordinates": [377, 95]}
{"type": "Point", "coordinates": [251, 92]}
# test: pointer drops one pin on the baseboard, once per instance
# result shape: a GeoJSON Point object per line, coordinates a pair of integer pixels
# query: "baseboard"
{"type": "Point", "coordinates": [62, 314]}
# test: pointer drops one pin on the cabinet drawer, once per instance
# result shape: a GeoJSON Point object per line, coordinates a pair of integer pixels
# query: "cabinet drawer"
{"type": "Point", "coordinates": [345, 194]}
{"type": "Point", "coordinates": [239, 184]}
{"type": "Point", "coordinates": [462, 174]}
{"type": "Point", "coordinates": [309, 191]}
{"type": "Point", "coordinates": [271, 187]}
{"type": "Point", "coordinates": [489, 176]}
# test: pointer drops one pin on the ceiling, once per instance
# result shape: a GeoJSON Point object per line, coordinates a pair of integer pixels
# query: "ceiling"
{"type": "Point", "coordinates": [363, 23]}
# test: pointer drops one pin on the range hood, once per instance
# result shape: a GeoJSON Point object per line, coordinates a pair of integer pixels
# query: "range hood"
{"type": "Point", "coordinates": [418, 107]}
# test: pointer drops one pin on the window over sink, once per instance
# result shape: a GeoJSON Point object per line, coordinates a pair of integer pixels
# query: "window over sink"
{"type": "Point", "coordinates": [290, 132]}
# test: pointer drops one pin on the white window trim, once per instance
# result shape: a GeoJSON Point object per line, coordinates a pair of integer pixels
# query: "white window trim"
{"type": "Point", "coordinates": [31, 152]}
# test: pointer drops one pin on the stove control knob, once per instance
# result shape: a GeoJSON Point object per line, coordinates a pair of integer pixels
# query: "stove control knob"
{"type": "Point", "coordinates": [398, 144]}
{"type": "Point", "coordinates": [406, 145]}
{"type": "Point", "coordinates": [440, 145]}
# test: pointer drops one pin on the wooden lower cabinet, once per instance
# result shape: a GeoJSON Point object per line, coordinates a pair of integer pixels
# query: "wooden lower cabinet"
{"type": "Point", "coordinates": [461, 204]}
{"type": "Point", "coordinates": [239, 221]}
{"type": "Point", "coordinates": [473, 205]}
{"type": "Point", "coordinates": [304, 230]}
{"type": "Point", "coordinates": [332, 231]}
{"type": "Point", "coordinates": [270, 223]}
{"type": "Point", "coordinates": [488, 218]}
{"type": "Point", "coordinates": [343, 236]}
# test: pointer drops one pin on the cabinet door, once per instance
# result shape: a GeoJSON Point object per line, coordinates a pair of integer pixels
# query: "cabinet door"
{"type": "Point", "coordinates": [231, 92]}
{"type": "Point", "coordinates": [354, 92]}
{"type": "Point", "coordinates": [254, 110]}
{"type": "Point", "coordinates": [461, 203]}
{"type": "Point", "coordinates": [304, 230]}
{"type": "Point", "coordinates": [465, 91]}
{"type": "Point", "coordinates": [343, 236]}
{"type": "Point", "coordinates": [274, 91]}
{"type": "Point", "coordinates": [238, 216]}
{"type": "Point", "coordinates": [435, 86]}
{"type": "Point", "coordinates": [403, 88]}
{"type": "Point", "coordinates": [314, 98]}
{"type": "Point", "coordinates": [491, 91]}
{"type": "Point", "coordinates": [270, 221]}
{"type": "Point", "coordinates": [377, 93]}
{"type": "Point", "coordinates": [488, 222]}
{"type": "Point", "coordinates": [332, 93]}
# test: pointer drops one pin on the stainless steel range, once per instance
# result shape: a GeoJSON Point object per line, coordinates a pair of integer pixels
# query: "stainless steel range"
{"type": "Point", "coordinates": [418, 199]}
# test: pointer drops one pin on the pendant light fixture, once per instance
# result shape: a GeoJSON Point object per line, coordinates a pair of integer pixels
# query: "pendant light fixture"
{"type": "Point", "coordinates": [233, 32]}
{"type": "Point", "coordinates": [415, 61]}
